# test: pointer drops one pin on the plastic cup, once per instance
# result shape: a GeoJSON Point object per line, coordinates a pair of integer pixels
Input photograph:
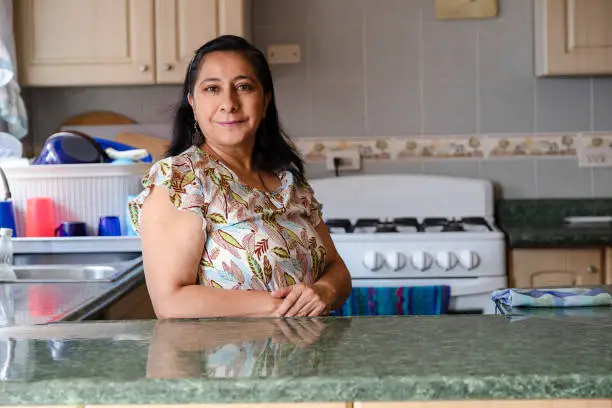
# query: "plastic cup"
{"type": "Point", "coordinates": [40, 218]}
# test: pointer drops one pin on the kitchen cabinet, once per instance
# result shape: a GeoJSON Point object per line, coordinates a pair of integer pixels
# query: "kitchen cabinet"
{"type": "Point", "coordinates": [556, 267]}
{"type": "Point", "coordinates": [136, 304]}
{"type": "Point", "coordinates": [118, 42]}
{"type": "Point", "coordinates": [572, 37]}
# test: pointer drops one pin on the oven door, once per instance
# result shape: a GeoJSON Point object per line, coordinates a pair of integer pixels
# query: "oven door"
{"type": "Point", "coordinates": [467, 295]}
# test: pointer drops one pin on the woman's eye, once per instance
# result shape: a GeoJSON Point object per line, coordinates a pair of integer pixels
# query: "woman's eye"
{"type": "Point", "coordinates": [212, 89]}
{"type": "Point", "coordinates": [245, 87]}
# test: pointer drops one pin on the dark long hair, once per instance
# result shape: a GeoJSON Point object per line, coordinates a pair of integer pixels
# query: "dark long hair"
{"type": "Point", "coordinates": [272, 151]}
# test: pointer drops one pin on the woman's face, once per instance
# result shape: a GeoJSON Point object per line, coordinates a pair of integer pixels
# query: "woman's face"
{"type": "Point", "coordinates": [228, 100]}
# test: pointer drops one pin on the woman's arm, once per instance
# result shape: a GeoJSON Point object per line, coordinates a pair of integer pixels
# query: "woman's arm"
{"type": "Point", "coordinates": [172, 245]}
{"type": "Point", "coordinates": [336, 280]}
{"type": "Point", "coordinates": [329, 292]}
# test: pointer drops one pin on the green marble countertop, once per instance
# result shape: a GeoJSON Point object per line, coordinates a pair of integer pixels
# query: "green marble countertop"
{"type": "Point", "coordinates": [541, 222]}
{"type": "Point", "coordinates": [304, 360]}
{"type": "Point", "coordinates": [557, 235]}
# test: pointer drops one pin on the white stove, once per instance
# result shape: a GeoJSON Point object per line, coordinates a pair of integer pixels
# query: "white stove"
{"type": "Point", "coordinates": [415, 230]}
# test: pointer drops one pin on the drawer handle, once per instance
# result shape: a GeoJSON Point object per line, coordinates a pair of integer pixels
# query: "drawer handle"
{"type": "Point", "coordinates": [591, 269]}
{"type": "Point", "coordinates": [144, 68]}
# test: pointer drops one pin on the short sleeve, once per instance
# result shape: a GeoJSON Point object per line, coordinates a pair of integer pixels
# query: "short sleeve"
{"type": "Point", "coordinates": [314, 207]}
{"type": "Point", "coordinates": [178, 177]}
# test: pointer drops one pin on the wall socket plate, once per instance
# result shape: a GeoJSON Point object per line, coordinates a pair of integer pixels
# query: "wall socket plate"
{"type": "Point", "coordinates": [284, 54]}
{"type": "Point", "coordinates": [594, 157]}
{"type": "Point", "coordinates": [350, 159]}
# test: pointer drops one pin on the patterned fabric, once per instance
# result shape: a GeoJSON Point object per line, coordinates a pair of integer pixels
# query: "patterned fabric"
{"type": "Point", "coordinates": [562, 297]}
{"type": "Point", "coordinates": [389, 301]}
{"type": "Point", "coordinates": [254, 239]}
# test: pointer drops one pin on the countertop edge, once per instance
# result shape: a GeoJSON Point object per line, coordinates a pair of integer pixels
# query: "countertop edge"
{"type": "Point", "coordinates": [305, 389]}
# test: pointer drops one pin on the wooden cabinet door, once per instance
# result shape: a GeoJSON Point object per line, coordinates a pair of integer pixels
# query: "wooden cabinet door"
{"type": "Point", "coordinates": [85, 42]}
{"type": "Point", "coordinates": [573, 37]}
{"type": "Point", "coordinates": [182, 26]}
{"type": "Point", "coordinates": [556, 267]}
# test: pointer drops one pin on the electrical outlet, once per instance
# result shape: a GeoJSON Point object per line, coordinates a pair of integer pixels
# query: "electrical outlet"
{"type": "Point", "coordinates": [350, 159]}
{"type": "Point", "coordinates": [595, 157]}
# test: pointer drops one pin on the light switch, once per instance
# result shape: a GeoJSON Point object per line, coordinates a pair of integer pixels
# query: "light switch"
{"type": "Point", "coordinates": [284, 54]}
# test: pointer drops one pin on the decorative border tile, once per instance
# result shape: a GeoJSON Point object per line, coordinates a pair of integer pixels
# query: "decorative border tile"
{"type": "Point", "coordinates": [531, 145]}
{"type": "Point", "coordinates": [484, 147]}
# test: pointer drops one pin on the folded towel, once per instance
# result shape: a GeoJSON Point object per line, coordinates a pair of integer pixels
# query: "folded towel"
{"type": "Point", "coordinates": [393, 301]}
{"type": "Point", "coordinates": [560, 297]}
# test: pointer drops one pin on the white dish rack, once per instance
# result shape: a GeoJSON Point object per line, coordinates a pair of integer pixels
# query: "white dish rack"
{"type": "Point", "coordinates": [80, 192]}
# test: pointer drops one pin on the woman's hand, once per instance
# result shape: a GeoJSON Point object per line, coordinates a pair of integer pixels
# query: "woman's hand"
{"type": "Point", "coordinates": [303, 300]}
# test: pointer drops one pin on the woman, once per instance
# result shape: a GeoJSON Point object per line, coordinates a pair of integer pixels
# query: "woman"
{"type": "Point", "coordinates": [235, 229]}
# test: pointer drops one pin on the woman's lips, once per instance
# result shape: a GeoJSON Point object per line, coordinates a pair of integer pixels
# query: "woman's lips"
{"type": "Point", "coordinates": [231, 123]}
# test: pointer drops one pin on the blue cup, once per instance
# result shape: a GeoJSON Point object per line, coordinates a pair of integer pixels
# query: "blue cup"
{"type": "Point", "coordinates": [7, 216]}
{"type": "Point", "coordinates": [71, 229]}
{"type": "Point", "coordinates": [109, 226]}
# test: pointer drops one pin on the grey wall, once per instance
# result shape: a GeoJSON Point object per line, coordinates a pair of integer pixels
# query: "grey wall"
{"type": "Point", "coordinates": [389, 68]}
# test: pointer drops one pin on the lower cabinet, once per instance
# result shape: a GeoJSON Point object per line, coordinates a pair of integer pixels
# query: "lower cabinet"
{"type": "Point", "coordinates": [559, 267]}
{"type": "Point", "coordinates": [135, 304]}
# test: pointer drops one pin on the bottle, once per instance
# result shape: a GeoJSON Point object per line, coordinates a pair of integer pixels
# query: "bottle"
{"type": "Point", "coordinates": [6, 254]}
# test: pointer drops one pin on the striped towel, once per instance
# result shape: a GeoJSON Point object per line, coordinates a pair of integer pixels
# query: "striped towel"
{"type": "Point", "coordinates": [393, 301]}
{"type": "Point", "coordinates": [561, 297]}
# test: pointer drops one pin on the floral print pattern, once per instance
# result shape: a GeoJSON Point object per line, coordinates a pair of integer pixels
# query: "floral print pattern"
{"type": "Point", "coordinates": [254, 239]}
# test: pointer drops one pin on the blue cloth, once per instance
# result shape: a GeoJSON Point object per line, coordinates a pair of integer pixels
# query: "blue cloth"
{"type": "Point", "coordinates": [561, 297]}
{"type": "Point", "coordinates": [394, 301]}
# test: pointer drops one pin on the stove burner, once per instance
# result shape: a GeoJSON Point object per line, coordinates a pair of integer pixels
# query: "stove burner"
{"type": "Point", "coordinates": [334, 224]}
{"type": "Point", "coordinates": [407, 224]}
{"type": "Point", "coordinates": [476, 221]}
{"type": "Point", "coordinates": [453, 226]}
{"type": "Point", "coordinates": [373, 225]}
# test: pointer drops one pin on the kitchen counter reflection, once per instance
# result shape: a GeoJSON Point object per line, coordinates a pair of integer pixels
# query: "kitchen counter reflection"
{"type": "Point", "coordinates": [222, 349]}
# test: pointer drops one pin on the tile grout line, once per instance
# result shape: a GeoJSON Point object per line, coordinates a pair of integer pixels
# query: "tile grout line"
{"type": "Point", "coordinates": [592, 127]}
{"type": "Point", "coordinates": [421, 82]}
{"type": "Point", "coordinates": [364, 34]}
{"type": "Point", "coordinates": [421, 72]}
{"type": "Point", "coordinates": [535, 131]}
{"type": "Point", "coordinates": [478, 107]}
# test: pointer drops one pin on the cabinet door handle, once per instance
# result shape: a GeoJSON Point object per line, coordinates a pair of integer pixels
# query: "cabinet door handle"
{"type": "Point", "coordinates": [591, 269]}
{"type": "Point", "coordinates": [169, 67]}
{"type": "Point", "coordinates": [144, 68]}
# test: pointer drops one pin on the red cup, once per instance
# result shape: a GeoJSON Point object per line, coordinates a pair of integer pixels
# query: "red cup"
{"type": "Point", "coordinates": [40, 219]}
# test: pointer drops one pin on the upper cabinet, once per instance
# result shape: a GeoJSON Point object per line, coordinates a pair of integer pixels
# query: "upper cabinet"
{"type": "Point", "coordinates": [573, 37]}
{"type": "Point", "coordinates": [118, 42]}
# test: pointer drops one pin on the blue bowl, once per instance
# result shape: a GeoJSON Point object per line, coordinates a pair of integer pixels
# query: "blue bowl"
{"type": "Point", "coordinates": [105, 143]}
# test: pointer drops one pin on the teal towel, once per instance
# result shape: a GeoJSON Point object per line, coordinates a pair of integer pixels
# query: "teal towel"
{"type": "Point", "coordinates": [561, 297]}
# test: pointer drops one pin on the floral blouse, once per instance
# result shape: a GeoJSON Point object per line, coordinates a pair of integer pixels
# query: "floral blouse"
{"type": "Point", "coordinates": [254, 239]}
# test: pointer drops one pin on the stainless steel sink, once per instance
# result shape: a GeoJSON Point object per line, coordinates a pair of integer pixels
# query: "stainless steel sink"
{"type": "Point", "coordinates": [77, 267]}
{"type": "Point", "coordinates": [76, 258]}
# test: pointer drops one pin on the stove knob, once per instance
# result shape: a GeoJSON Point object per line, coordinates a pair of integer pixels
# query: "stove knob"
{"type": "Point", "coordinates": [421, 260]}
{"type": "Point", "coordinates": [373, 261]}
{"type": "Point", "coordinates": [446, 260]}
{"type": "Point", "coordinates": [396, 260]}
{"type": "Point", "coordinates": [468, 259]}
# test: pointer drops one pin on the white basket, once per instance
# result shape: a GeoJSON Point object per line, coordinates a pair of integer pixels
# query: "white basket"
{"type": "Point", "coordinates": [80, 192]}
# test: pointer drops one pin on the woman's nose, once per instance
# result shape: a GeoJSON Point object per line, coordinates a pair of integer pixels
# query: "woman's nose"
{"type": "Point", "coordinates": [230, 101]}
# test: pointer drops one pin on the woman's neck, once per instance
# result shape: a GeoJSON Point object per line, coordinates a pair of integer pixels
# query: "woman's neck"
{"type": "Point", "coordinates": [237, 158]}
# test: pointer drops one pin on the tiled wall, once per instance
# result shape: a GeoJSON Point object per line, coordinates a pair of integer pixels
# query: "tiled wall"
{"type": "Point", "coordinates": [388, 68]}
